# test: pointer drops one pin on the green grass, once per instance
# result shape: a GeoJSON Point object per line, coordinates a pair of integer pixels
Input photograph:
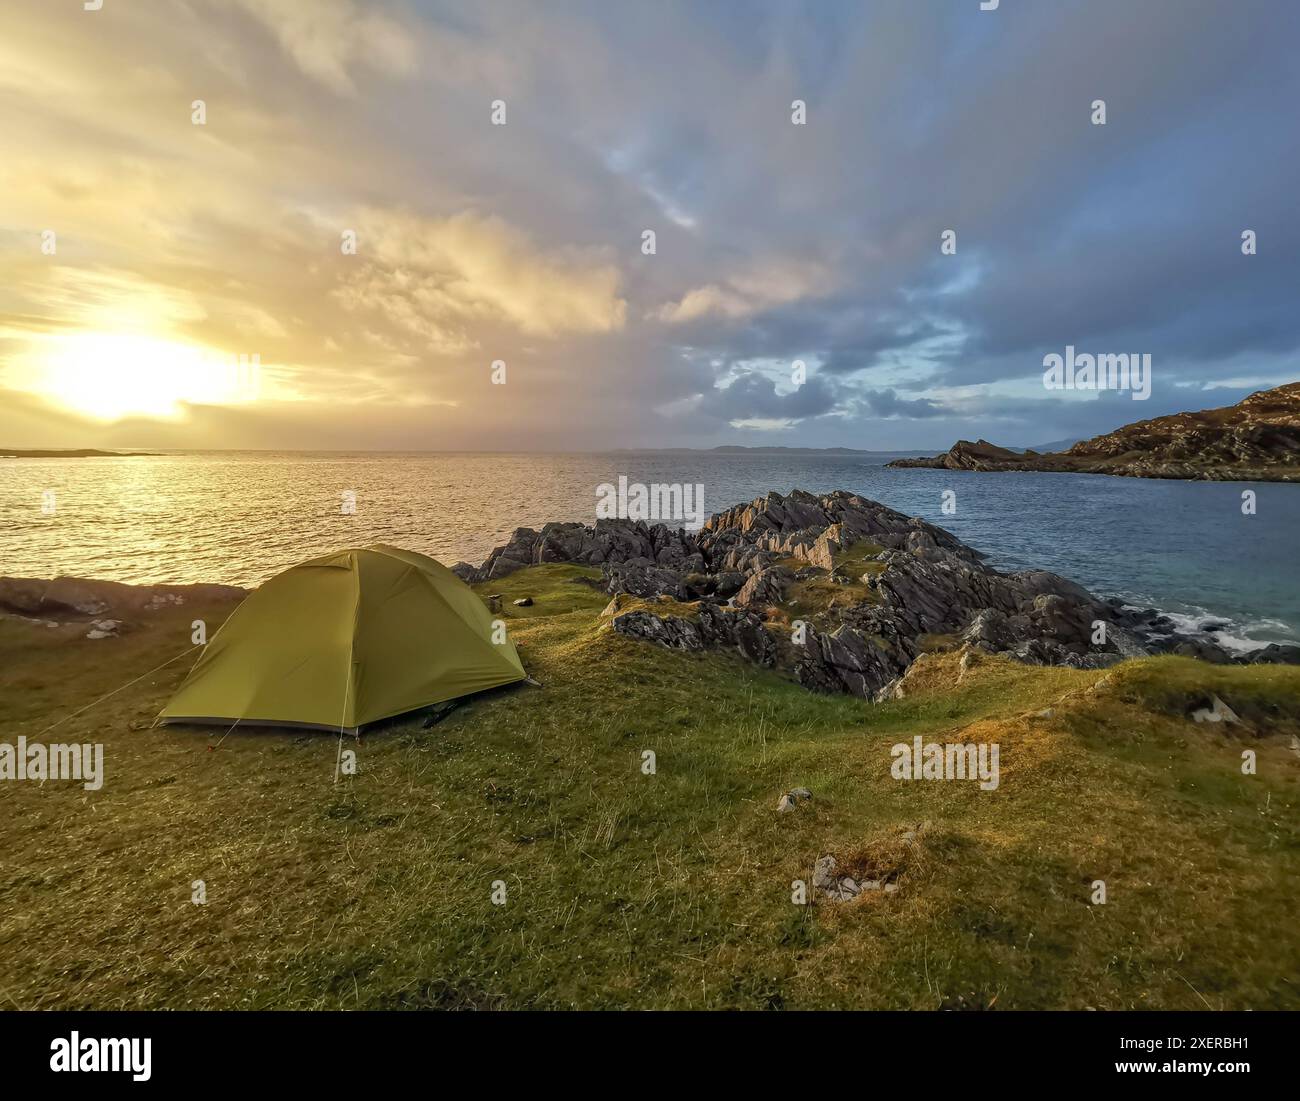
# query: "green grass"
{"type": "Point", "coordinates": [669, 890]}
{"type": "Point", "coordinates": [858, 558]}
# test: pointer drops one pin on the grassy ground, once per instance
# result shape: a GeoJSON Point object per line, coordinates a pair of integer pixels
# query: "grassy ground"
{"type": "Point", "coordinates": [666, 890]}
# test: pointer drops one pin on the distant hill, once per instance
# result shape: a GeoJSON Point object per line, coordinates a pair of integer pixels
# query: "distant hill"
{"type": "Point", "coordinates": [1053, 446]}
{"type": "Point", "coordinates": [64, 453]}
{"type": "Point", "coordinates": [1258, 439]}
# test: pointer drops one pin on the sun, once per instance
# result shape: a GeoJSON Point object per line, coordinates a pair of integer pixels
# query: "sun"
{"type": "Point", "coordinates": [110, 376]}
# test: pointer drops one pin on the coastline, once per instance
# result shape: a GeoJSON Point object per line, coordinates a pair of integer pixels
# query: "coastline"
{"type": "Point", "coordinates": [1255, 440]}
{"type": "Point", "coordinates": [872, 584]}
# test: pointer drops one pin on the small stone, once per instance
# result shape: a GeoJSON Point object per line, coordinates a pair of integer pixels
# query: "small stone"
{"type": "Point", "coordinates": [104, 628]}
{"type": "Point", "coordinates": [524, 602]}
{"type": "Point", "coordinates": [1217, 712]}
{"type": "Point", "coordinates": [890, 888]}
{"type": "Point", "coordinates": [785, 803]}
{"type": "Point", "coordinates": [824, 872]}
{"type": "Point", "coordinates": [800, 793]}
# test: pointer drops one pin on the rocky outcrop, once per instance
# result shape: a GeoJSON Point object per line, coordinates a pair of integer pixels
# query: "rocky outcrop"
{"type": "Point", "coordinates": [622, 542]}
{"type": "Point", "coordinates": [1258, 439]}
{"type": "Point", "coordinates": [641, 577]}
{"type": "Point", "coordinates": [713, 627]}
{"type": "Point", "coordinates": [846, 660]}
{"type": "Point", "coordinates": [738, 584]}
{"type": "Point", "coordinates": [77, 598]}
{"type": "Point", "coordinates": [964, 455]}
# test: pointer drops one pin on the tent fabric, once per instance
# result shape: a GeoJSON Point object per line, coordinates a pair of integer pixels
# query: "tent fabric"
{"type": "Point", "coordinates": [344, 640]}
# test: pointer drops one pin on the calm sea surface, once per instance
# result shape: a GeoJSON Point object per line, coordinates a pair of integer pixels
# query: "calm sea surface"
{"type": "Point", "coordinates": [239, 517]}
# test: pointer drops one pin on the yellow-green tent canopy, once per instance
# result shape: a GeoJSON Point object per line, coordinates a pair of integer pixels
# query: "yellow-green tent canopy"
{"type": "Point", "coordinates": [344, 640]}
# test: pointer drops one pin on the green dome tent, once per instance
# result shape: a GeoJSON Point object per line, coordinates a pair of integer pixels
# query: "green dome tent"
{"type": "Point", "coordinates": [345, 640]}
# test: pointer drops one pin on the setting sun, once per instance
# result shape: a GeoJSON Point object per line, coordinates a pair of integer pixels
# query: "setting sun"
{"type": "Point", "coordinates": [110, 376]}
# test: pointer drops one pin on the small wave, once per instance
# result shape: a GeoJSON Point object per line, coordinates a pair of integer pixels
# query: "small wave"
{"type": "Point", "coordinates": [1234, 636]}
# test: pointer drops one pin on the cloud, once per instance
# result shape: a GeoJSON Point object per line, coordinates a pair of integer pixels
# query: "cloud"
{"type": "Point", "coordinates": [775, 242]}
{"type": "Point", "coordinates": [330, 39]}
{"type": "Point", "coordinates": [759, 288]}
{"type": "Point", "coordinates": [886, 403]}
{"type": "Point", "coordinates": [752, 397]}
{"type": "Point", "coordinates": [435, 277]}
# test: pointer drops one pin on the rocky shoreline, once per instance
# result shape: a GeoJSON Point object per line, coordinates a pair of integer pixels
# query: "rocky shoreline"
{"type": "Point", "coordinates": [844, 593]}
{"type": "Point", "coordinates": [1257, 440]}
{"type": "Point", "coordinates": [841, 592]}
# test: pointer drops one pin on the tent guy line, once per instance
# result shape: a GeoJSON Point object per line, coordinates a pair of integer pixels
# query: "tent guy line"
{"type": "Point", "coordinates": [115, 691]}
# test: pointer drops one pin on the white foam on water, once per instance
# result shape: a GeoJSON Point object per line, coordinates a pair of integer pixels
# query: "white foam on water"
{"type": "Point", "coordinates": [1236, 637]}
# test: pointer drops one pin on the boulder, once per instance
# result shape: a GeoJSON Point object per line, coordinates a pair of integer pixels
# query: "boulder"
{"type": "Point", "coordinates": [767, 586]}
{"type": "Point", "coordinates": [104, 628]}
{"type": "Point", "coordinates": [674, 632]}
{"type": "Point", "coordinates": [1214, 711]}
{"type": "Point", "coordinates": [641, 577]}
{"type": "Point", "coordinates": [1200, 649]}
{"type": "Point", "coordinates": [845, 661]}
{"type": "Point", "coordinates": [1275, 654]}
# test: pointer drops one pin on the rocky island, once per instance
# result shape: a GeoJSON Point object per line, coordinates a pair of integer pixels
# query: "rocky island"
{"type": "Point", "coordinates": [1257, 440]}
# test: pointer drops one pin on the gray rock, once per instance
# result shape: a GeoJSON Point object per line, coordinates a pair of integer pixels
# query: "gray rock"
{"type": "Point", "coordinates": [728, 583]}
{"type": "Point", "coordinates": [1202, 651]}
{"type": "Point", "coordinates": [523, 602]}
{"type": "Point", "coordinates": [824, 872]}
{"type": "Point", "coordinates": [833, 886]}
{"type": "Point", "coordinates": [767, 586]}
{"type": "Point", "coordinates": [713, 626]}
{"type": "Point", "coordinates": [1275, 654]}
{"type": "Point", "coordinates": [104, 628]}
{"type": "Point", "coordinates": [743, 630]}
{"type": "Point", "coordinates": [792, 798]}
{"type": "Point", "coordinates": [641, 577]}
{"type": "Point", "coordinates": [845, 661]}
{"type": "Point", "coordinates": [1215, 711]}
{"type": "Point", "coordinates": [674, 632]}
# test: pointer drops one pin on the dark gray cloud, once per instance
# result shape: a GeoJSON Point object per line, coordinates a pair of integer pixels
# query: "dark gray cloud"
{"type": "Point", "coordinates": [886, 403]}
{"type": "Point", "coordinates": [753, 396]}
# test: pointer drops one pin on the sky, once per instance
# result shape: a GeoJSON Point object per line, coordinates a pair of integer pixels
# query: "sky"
{"type": "Point", "coordinates": [499, 164]}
